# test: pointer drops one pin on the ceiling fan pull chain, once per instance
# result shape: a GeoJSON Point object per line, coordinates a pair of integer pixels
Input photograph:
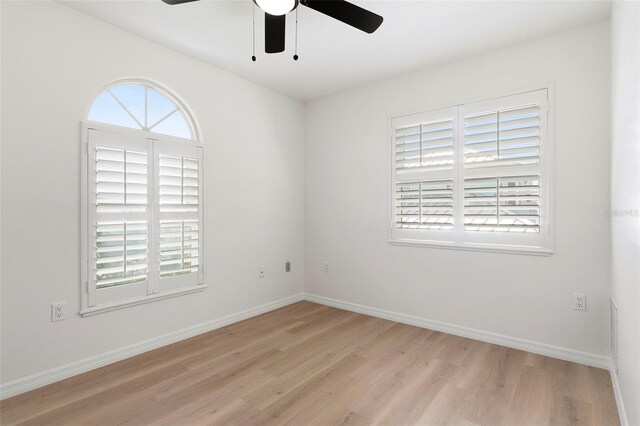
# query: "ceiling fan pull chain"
{"type": "Point", "coordinates": [253, 10]}
{"type": "Point", "coordinates": [295, 55]}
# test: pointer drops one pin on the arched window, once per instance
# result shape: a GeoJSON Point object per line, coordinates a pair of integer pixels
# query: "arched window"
{"type": "Point", "coordinates": [144, 199]}
{"type": "Point", "coordinates": [145, 106]}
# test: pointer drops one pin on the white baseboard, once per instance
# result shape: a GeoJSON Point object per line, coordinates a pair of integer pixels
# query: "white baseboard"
{"type": "Point", "coordinates": [616, 392]}
{"type": "Point", "coordinates": [37, 380]}
{"type": "Point", "coordinates": [566, 354]}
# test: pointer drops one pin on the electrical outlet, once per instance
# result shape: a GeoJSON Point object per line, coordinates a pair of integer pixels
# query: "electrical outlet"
{"type": "Point", "coordinates": [327, 267]}
{"type": "Point", "coordinates": [57, 311]}
{"type": "Point", "coordinates": [579, 302]}
{"type": "Point", "coordinates": [261, 272]}
{"type": "Point", "coordinates": [287, 267]}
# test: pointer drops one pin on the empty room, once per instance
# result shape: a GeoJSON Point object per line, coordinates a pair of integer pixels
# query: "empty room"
{"type": "Point", "coordinates": [319, 212]}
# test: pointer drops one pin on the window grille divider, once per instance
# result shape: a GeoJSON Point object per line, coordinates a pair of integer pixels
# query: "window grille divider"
{"type": "Point", "coordinates": [163, 119]}
{"type": "Point", "coordinates": [125, 108]}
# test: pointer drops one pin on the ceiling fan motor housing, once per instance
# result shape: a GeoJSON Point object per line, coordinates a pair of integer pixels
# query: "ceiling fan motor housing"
{"type": "Point", "coordinates": [276, 13]}
{"type": "Point", "coordinates": [276, 7]}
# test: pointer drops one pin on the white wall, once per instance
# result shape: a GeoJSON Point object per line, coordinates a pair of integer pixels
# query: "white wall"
{"type": "Point", "coordinates": [347, 172]}
{"type": "Point", "coordinates": [54, 60]}
{"type": "Point", "coordinates": [625, 198]}
{"type": "Point", "coordinates": [260, 178]}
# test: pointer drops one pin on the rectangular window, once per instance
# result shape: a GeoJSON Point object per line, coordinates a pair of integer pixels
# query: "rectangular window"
{"type": "Point", "coordinates": [143, 219]}
{"type": "Point", "coordinates": [474, 175]}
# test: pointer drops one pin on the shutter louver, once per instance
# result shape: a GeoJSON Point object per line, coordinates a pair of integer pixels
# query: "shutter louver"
{"type": "Point", "coordinates": [423, 168]}
{"type": "Point", "coordinates": [178, 248]}
{"type": "Point", "coordinates": [179, 200]}
{"type": "Point", "coordinates": [178, 184]}
{"type": "Point", "coordinates": [425, 147]}
{"type": "Point", "coordinates": [503, 137]}
{"type": "Point", "coordinates": [503, 204]}
{"type": "Point", "coordinates": [121, 180]}
{"type": "Point", "coordinates": [424, 204]}
{"type": "Point", "coordinates": [121, 253]}
{"type": "Point", "coordinates": [121, 192]}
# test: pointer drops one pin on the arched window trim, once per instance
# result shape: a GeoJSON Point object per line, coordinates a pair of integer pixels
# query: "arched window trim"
{"type": "Point", "coordinates": [186, 111]}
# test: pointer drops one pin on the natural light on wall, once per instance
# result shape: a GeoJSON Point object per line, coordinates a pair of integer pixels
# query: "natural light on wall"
{"type": "Point", "coordinates": [138, 106]}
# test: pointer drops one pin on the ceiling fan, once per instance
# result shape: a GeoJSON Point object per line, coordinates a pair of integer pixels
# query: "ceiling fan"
{"type": "Point", "coordinates": [275, 12]}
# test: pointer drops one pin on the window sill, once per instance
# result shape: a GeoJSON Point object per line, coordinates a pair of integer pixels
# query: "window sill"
{"type": "Point", "coordinates": [491, 248]}
{"type": "Point", "coordinates": [108, 307]}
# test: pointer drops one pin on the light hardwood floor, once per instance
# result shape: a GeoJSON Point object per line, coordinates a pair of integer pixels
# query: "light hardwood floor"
{"type": "Point", "coordinates": [310, 364]}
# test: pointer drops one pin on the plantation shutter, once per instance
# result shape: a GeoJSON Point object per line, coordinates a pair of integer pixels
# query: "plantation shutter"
{"type": "Point", "coordinates": [473, 175]}
{"type": "Point", "coordinates": [179, 215]}
{"type": "Point", "coordinates": [423, 170]}
{"type": "Point", "coordinates": [507, 204]}
{"type": "Point", "coordinates": [118, 219]}
{"type": "Point", "coordinates": [502, 137]}
{"type": "Point", "coordinates": [502, 163]}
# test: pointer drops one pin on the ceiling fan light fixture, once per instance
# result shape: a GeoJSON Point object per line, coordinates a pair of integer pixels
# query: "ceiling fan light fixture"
{"type": "Point", "coordinates": [275, 20]}
{"type": "Point", "coordinates": [276, 7]}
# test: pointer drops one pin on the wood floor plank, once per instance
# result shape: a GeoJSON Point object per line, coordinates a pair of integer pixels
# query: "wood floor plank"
{"type": "Point", "coordinates": [407, 406]}
{"type": "Point", "coordinates": [496, 385]}
{"type": "Point", "coordinates": [330, 407]}
{"type": "Point", "coordinates": [399, 378]}
{"type": "Point", "coordinates": [351, 418]}
{"type": "Point", "coordinates": [305, 394]}
{"type": "Point", "coordinates": [211, 407]}
{"type": "Point", "coordinates": [449, 407]}
{"type": "Point", "coordinates": [315, 362]}
{"type": "Point", "coordinates": [309, 364]}
{"type": "Point", "coordinates": [533, 400]}
{"type": "Point", "coordinates": [307, 347]}
{"type": "Point", "coordinates": [206, 384]}
{"type": "Point", "coordinates": [568, 411]}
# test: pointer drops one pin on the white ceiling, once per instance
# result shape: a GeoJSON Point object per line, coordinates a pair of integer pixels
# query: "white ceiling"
{"type": "Point", "coordinates": [334, 56]}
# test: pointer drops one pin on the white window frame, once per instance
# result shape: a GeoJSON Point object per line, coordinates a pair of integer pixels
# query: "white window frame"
{"type": "Point", "coordinates": [87, 216]}
{"type": "Point", "coordinates": [192, 122]}
{"type": "Point", "coordinates": [541, 244]}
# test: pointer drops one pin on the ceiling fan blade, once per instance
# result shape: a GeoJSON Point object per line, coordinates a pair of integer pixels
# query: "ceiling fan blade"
{"type": "Point", "coordinates": [174, 2]}
{"type": "Point", "coordinates": [346, 12]}
{"type": "Point", "coordinates": [274, 33]}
